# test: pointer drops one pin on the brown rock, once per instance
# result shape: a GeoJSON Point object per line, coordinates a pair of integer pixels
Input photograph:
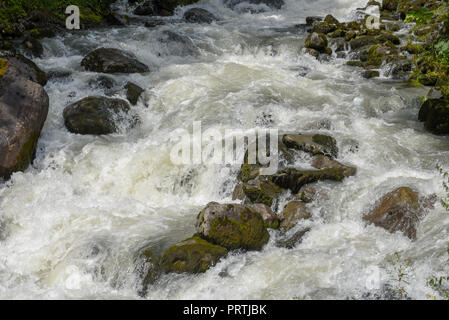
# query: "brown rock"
{"type": "Point", "coordinates": [293, 212]}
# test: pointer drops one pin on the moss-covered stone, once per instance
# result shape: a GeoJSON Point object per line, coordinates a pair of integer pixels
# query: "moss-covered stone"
{"type": "Point", "coordinates": [435, 115]}
{"type": "Point", "coordinates": [232, 226]}
{"type": "Point", "coordinates": [261, 191]}
{"type": "Point", "coordinates": [95, 115]}
{"type": "Point", "coordinates": [167, 7]}
{"type": "Point", "coordinates": [293, 212]}
{"type": "Point", "coordinates": [369, 74]}
{"type": "Point", "coordinates": [133, 92]}
{"type": "Point", "coordinates": [313, 144]}
{"type": "Point", "coordinates": [193, 255]}
{"type": "Point", "coordinates": [109, 60]}
{"type": "Point", "coordinates": [323, 27]}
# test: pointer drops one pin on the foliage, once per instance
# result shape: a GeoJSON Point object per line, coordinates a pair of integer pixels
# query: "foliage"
{"type": "Point", "coordinates": [400, 273]}
{"type": "Point", "coordinates": [441, 284]}
{"type": "Point", "coordinates": [421, 16]}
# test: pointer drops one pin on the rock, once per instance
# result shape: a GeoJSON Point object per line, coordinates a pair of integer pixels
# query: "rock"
{"type": "Point", "coordinates": [307, 194]}
{"type": "Point", "coordinates": [133, 92]}
{"type": "Point", "coordinates": [33, 47]}
{"type": "Point", "coordinates": [290, 242]}
{"type": "Point", "coordinates": [314, 53]}
{"type": "Point", "coordinates": [232, 226]}
{"type": "Point", "coordinates": [154, 23]}
{"type": "Point", "coordinates": [109, 60]}
{"type": "Point", "coordinates": [368, 74]}
{"type": "Point", "coordinates": [23, 111]}
{"type": "Point", "coordinates": [398, 210]}
{"type": "Point", "coordinates": [390, 5]}
{"type": "Point", "coordinates": [401, 69]}
{"type": "Point", "coordinates": [276, 4]}
{"type": "Point", "coordinates": [293, 212]}
{"type": "Point", "coordinates": [144, 9]}
{"type": "Point", "coordinates": [313, 144]}
{"type": "Point", "coordinates": [324, 162]}
{"type": "Point", "coordinates": [331, 19]}
{"type": "Point", "coordinates": [193, 255]}
{"type": "Point", "coordinates": [269, 218]}
{"type": "Point", "coordinates": [167, 7]}
{"type": "Point", "coordinates": [95, 115]}
{"type": "Point", "coordinates": [261, 191]}
{"type": "Point", "coordinates": [294, 179]}
{"type": "Point", "coordinates": [362, 41]}
{"type": "Point", "coordinates": [102, 82]}
{"type": "Point", "coordinates": [323, 27]}
{"type": "Point", "coordinates": [177, 44]}
{"type": "Point", "coordinates": [435, 115]}
{"type": "Point", "coordinates": [148, 269]}
{"type": "Point", "coordinates": [238, 193]}
{"type": "Point", "coordinates": [317, 41]}
{"type": "Point", "coordinates": [199, 15]}
{"type": "Point", "coordinates": [311, 20]}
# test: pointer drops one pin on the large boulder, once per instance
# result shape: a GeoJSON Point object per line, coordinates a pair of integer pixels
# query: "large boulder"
{"type": "Point", "coordinates": [398, 210]}
{"type": "Point", "coordinates": [199, 15]}
{"type": "Point", "coordinates": [194, 255]}
{"type": "Point", "coordinates": [23, 111]}
{"type": "Point", "coordinates": [109, 60]}
{"type": "Point", "coordinates": [95, 115]}
{"type": "Point", "coordinates": [232, 226]}
{"type": "Point", "coordinates": [435, 115]}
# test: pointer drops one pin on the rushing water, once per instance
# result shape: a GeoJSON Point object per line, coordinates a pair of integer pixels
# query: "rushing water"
{"type": "Point", "coordinates": [72, 225]}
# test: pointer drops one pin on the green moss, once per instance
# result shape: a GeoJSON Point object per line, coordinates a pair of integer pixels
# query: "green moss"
{"type": "Point", "coordinates": [26, 156]}
{"type": "Point", "coordinates": [3, 67]}
{"type": "Point", "coordinates": [249, 232]}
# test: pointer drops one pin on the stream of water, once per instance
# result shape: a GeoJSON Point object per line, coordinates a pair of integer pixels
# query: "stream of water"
{"type": "Point", "coordinates": [72, 224]}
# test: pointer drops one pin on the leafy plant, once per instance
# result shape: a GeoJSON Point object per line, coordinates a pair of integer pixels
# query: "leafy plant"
{"type": "Point", "coordinates": [440, 284]}
{"type": "Point", "coordinates": [400, 274]}
{"type": "Point", "coordinates": [422, 16]}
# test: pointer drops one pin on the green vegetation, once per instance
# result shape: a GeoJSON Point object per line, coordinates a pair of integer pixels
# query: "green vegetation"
{"type": "Point", "coordinates": [12, 12]}
{"type": "Point", "coordinates": [421, 16]}
{"type": "Point", "coordinates": [400, 274]}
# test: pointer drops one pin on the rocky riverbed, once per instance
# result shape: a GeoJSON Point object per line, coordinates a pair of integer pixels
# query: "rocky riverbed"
{"type": "Point", "coordinates": [92, 206]}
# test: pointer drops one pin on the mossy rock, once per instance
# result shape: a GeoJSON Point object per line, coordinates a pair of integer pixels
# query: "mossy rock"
{"type": "Point", "coordinates": [261, 191]}
{"type": "Point", "coordinates": [232, 226]}
{"type": "Point", "coordinates": [317, 41]}
{"type": "Point", "coordinates": [167, 7]}
{"type": "Point", "coordinates": [362, 41]}
{"type": "Point", "coordinates": [293, 212]}
{"type": "Point", "coordinates": [109, 60]}
{"type": "Point", "coordinates": [435, 115]}
{"type": "Point", "coordinates": [193, 255]}
{"type": "Point", "coordinates": [323, 27]}
{"type": "Point", "coordinates": [369, 74]}
{"type": "Point", "coordinates": [95, 115]}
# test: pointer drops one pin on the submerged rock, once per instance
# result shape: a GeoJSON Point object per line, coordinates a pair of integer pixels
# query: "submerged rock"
{"type": "Point", "coordinates": [23, 111]}
{"type": "Point", "coordinates": [199, 15]}
{"type": "Point", "coordinates": [194, 255]}
{"type": "Point", "coordinates": [109, 60]}
{"type": "Point", "coordinates": [167, 7]}
{"type": "Point", "coordinates": [398, 210]}
{"type": "Point", "coordinates": [232, 226]}
{"type": "Point", "coordinates": [95, 115]}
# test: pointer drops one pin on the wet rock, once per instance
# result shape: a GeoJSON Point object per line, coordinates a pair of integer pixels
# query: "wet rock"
{"type": "Point", "coordinates": [311, 20]}
{"type": "Point", "coordinates": [369, 74]}
{"type": "Point", "coordinates": [148, 269]}
{"type": "Point", "coordinates": [178, 44]}
{"type": "Point", "coordinates": [323, 27]}
{"type": "Point", "coordinates": [314, 53]}
{"type": "Point", "coordinates": [154, 23]}
{"type": "Point", "coordinates": [331, 19]}
{"type": "Point", "coordinates": [269, 218]}
{"type": "Point", "coordinates": [390, 5]}
{"type": "Point", "coordinates": [398, 210]}
{"type": "Point", "coordinates": [435, 115]}
{"type": "Point", "coordinates": [289, 242]}
{"type": "Point", "coordinates": [362, 41]}
{"type": "Point", "coordinates": [261, 191]}
{"type": "Point", "coordinates": [133, 92]}
{"type": "Point", "coordinates": [95, 115]}
{"type": "Point", "coordinates": [276, 4]}
{"type": "Point", "coordinates": [318, 42]}
{"type": "Point", "coordinates": [313, 144]}
{"type": "Point", "coordinates": [109, 60]}
{"type": "Point", "coordinates": [33, 47]}
{"type": "Point", "coordinates": [167, 7]}
{"type": "Point", "coordinates": [293, 212]}
{"type": "Point", "coordinates": [144, 9]}
{"type": "Point", "coordinates": [102, 82]}
{"type": "Point", "coordinates": [232, 226]}
{"type": "Point", "coordinates": [23, 111]}
{"type": "Point", "coordinates": [238, 193]}
{"type": "Point", "coordinates": [307, 194]}
{"type": "Point", "coordinates": [294, 179]}
{"type": "Point", "coordinates": [199, 15]}
{"type": "Point", "coordinates": [194, 255]}
{"type": "Point", "coordinates": [324, 162]}
{"type": "Point", "coordinates": [401, 69]}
